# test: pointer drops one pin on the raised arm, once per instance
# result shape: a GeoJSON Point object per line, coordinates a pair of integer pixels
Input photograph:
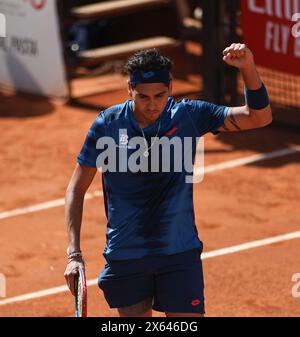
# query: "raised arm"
{"type": "Point", "coordinates": [257, 112]}
{"type": "Point", "coordinates": [79, 183]}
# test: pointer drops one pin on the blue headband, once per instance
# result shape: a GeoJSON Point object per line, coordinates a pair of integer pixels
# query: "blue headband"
{"type": "Point", "coordinates": [150, 76]}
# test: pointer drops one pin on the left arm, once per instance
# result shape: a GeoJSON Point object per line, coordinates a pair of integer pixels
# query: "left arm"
{"type": "Point", "coordinates": [246, 117]}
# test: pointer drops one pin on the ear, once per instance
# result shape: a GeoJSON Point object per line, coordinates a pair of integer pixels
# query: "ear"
{"type": "Point", "coordinates": [129, 88]}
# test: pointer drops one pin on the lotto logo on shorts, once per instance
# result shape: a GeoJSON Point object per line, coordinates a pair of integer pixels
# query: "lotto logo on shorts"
{"type": "Point", "coordinates": [2, 286]}
{"type": "Point", "coordinates": [195, 303]}
{"type": "Point", "coordinates": [2, 25]}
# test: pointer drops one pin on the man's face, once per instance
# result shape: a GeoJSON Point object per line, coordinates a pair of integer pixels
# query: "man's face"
{"type": "Point", "coordinates": [150, 99]}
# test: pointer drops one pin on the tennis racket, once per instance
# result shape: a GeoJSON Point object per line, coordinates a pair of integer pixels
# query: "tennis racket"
{"type": "Point", "coordinates": [80, 294]}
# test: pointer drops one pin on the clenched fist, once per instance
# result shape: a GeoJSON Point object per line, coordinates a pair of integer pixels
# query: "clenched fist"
{"type": "Point", "coordinates": [238, 55]}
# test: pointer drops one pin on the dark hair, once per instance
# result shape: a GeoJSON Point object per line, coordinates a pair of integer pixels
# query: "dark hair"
{"type": "Point", "coordinates": [149, 59]}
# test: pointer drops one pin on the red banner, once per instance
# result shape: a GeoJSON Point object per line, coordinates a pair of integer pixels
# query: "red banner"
{"type": "Point", "coordinates": [270, 32]}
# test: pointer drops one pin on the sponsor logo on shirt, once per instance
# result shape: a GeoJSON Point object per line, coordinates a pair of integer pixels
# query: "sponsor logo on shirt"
{"type": "Point", "coordinates": [170, 133]}
{"type": "Point", "coordinates": [123, 139]}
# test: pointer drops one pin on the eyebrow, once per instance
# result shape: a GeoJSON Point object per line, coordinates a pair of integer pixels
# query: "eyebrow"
{"type": "Point", "coordinates": [160, 93]}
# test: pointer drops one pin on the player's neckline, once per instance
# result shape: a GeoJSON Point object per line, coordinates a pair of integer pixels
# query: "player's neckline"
{"type": "Point", "coordinates": [151, 129]}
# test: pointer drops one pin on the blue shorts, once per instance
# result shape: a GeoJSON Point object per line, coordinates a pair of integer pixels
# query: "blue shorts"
{"type": "Point", "coordinates": [174, 282]}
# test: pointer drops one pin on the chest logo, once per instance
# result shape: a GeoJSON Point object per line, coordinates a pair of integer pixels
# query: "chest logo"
{"type": "Point", "coordinates": [170, 132]}
{"type": "Point", "coordinates": [123, 139]}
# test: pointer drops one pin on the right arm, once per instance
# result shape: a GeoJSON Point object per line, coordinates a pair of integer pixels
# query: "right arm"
{"type": "Point", "coordinates": [79, 183]}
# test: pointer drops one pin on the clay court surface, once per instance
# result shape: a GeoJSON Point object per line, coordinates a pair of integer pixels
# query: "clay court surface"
{"type": "Point", "coordinates": [245, 203]}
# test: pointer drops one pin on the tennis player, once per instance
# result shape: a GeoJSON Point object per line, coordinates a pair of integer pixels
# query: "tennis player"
{"type": "Point", "coordinates": [153, 252]}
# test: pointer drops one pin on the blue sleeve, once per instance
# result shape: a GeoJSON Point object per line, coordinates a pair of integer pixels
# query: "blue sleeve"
{"type": "Point", "coordinates": [88, 154]}
{"type": "Point", "coordinates": [208, 117]}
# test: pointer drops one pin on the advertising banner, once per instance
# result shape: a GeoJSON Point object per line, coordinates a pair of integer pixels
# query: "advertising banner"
{"type": "Point", "coordinates": [31, 52]}
{"type": "Point", "coordinates": [271, 29]}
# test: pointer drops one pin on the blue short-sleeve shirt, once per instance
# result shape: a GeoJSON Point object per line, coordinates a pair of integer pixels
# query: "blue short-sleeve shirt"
{"type": "Point", "coordinates": [150, 212]}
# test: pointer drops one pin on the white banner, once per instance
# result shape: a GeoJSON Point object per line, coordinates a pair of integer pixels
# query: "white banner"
{"type": "Point", "coordinates": [31, 54]}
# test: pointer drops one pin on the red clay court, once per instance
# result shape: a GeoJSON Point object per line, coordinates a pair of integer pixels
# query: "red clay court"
{"type": "Point", "coordinates": [246, 207]}
{"type": "Point", "coordinates": [255, 198]}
